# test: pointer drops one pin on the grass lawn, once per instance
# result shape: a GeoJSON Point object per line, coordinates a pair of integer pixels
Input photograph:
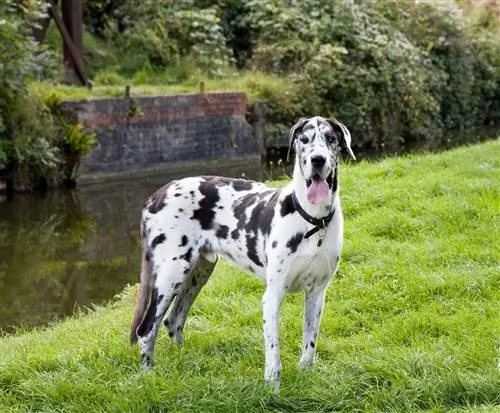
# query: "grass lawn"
{"type": "Point", "coordinates": [411, 323]}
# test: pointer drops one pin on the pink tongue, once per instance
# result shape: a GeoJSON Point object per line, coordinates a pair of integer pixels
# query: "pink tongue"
{"type": "Point", "coordinates": [317, 192]}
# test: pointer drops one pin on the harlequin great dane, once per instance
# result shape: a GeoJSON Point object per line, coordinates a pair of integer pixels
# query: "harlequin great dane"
{"type": "Point", "coordinates": [291, 238]}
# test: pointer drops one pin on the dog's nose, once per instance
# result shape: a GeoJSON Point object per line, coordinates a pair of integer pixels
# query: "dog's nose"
{"type": "Point", "coordinates": [318, 162]}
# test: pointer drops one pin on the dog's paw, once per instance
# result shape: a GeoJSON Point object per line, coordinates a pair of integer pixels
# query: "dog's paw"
{"type": "Point", "coordinates": [273, 384]}
{"type": "Point", "coordinates": [306, 362]}
{"type": "Point", "coordinates": [147, 362]}
{"type": "Point", "coordinates": [272, 377]}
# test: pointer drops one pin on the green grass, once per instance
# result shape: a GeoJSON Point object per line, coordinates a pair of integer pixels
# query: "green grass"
{"type": "Point", "coordinates": [411, 323]}
{"type": "Point", "coordinates": [256, 85]}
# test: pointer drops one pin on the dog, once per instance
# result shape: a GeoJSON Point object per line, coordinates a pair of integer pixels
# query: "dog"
{"type": "Point", "coordinates": [290, 238]}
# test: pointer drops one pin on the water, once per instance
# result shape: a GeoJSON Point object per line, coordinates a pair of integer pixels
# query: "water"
{"type": "Point", "coordinates": [70, 249]}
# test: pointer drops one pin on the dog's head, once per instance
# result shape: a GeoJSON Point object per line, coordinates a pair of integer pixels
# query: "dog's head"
{"type": "Point", "coordinates": [317, 142]}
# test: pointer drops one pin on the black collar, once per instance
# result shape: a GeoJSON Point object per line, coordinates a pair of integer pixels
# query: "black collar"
{"type": "Point", "coordinates": [319, 223]}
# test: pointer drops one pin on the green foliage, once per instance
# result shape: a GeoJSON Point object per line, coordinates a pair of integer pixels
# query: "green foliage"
{"type": "Point", "coordinates": [162, 32]}
{"type": "Point", "coordinates": [391, 70]}
{"type": "Point", "coordinates": [37, 146]}
{"type": "Point", "coordinates": [400, 74]}
{"type": "Point", "coordinates": [410, 323]}
{"type": "Point", "coordinates": [71, 139]}
{"type": "Point", "coordinates": [25, 125]}
{"type": "Point", "coordinates": [397, 73]}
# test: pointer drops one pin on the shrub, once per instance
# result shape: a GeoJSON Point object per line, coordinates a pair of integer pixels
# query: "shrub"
{"type": "Point", "coordinates": [164, 31]}
{"type": "Point", "coordinates": [25, 127]}
{"type": "Point", "coordinates": [393, 71]}
{"type": "Point", "coordinates": [37, 147]}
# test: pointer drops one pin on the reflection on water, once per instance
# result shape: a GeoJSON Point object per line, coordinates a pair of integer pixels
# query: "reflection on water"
{"type": "Point", "coordinates": [69, 249]}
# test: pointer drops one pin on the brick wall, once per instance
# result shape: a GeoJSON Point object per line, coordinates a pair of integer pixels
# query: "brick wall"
{"type": "Point", "coordinates": [166, 131]}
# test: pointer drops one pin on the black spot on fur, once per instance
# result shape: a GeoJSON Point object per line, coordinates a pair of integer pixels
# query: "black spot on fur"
{"type": "Point", "coordinates": [159, 239]}
{"type": "Point", "coordinates": [242, 185]}
{"type": "Point", "coordinates": [147, 323]}
{"type": "Point", "coordinates": [220, 207]}
{"type": "Point", "coordinates": [157, 200]}
{"type": "Point", "coordinates": [239, 209]}
{"type": "Point", "coordinates": [259, 223]}
{"type": "Point", "coordinates": [332, 181]}
{"type": "Point", "coordinates": [147, 256]}
{"type": "Point", "coordinates": [180, 210]}
{"type": "Point", "coordinates": [205, 214]}
{"type": "Point", "coordinates": [313, 344]}
{"type": "Point", "coordinates": [287, 206]}
{"type": "Point", "coordinates": [235, 234]}
{"type": "Point", "coordinates": [274, 244]}
{"type": "Point", "coordinates": [266, 214]}
{"type": "Point", "coordinates": [294, 242]}
{"type": "Point", "coordinates": [184, 241]}
{"type": "Point", "coordinates": [178, 194]}
{"type": "Point", "coordinates": [188, 255]}
{"type": "Point", "coordinates": [252, 250]}
{"type": "Point", "coordinates": [222, 232]}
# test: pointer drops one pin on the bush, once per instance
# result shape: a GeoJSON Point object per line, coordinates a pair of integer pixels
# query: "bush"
{"type": "Point", "coordinates": [36, 146]}
{"type": "Point", "coordinates": [24, 126]}
{"type": "Point", "coordinates": [398, 73]}
{"type": "Point", "coordinates": [394, 72]}
{"type": "Point", "coordinates": [162, 32]}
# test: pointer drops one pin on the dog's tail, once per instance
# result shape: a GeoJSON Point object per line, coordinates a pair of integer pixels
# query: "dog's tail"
{"type": "Point", "coordinates": [145, 289]}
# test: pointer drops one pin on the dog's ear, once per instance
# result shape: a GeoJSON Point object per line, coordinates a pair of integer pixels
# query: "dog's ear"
{"type": "Point", "coordinates": [293, 135]}
{"type": "Point", "coordinates": [345, 135]}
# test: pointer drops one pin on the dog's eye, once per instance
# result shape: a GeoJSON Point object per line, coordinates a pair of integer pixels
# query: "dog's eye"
{"type": "Point", "coordinates": [304, 139]}
{"type": "Point", "coordinates": [330, 138]}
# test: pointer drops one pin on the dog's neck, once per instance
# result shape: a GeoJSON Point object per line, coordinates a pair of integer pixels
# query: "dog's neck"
{"type": "Point", "coordinates": [299, 186]}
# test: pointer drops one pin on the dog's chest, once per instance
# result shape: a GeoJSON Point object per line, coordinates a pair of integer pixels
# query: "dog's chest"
{"type": "Point", "coordinates": [311, 266]}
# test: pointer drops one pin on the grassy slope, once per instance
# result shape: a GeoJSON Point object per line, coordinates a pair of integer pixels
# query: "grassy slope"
{"type": "Point", "coordinates": [410, 324]}
{"type": "Point", "coordinates": [255, 85]}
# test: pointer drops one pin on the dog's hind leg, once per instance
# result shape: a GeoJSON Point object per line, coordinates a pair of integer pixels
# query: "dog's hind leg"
{"type": "Point", "coordinates": [171, 274]}
{"type": "Point", "coordinates": [313, 308]}
{"type": "Point", "coordinates": [176, 319]}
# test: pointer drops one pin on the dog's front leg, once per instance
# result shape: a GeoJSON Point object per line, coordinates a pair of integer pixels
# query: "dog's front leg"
{"type": "Point", "coordinates": [271, 303]}
{"type": "Point", "coordinates": [312, 315]}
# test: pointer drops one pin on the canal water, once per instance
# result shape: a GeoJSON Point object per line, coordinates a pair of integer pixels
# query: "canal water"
{"type": "Point", "coordinates": [66, 250]}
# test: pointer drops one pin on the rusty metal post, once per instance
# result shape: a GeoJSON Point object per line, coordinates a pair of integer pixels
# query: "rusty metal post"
{"type": "Point", "coordinates": [72, 14]}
